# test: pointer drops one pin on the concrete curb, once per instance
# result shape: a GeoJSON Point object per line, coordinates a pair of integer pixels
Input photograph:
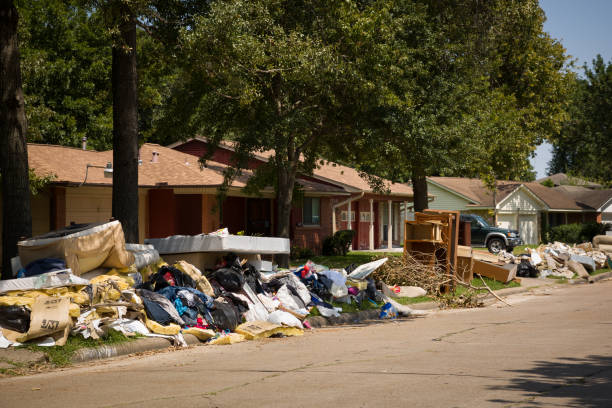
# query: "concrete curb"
{"type": "Point", "coordinates": [591, 279]}
{"type": "Point", "coordinates": [345, 318]}
{"type": "Point", "coordinates": [123, 349]}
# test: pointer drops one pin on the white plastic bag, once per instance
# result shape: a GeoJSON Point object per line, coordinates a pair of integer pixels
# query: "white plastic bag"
{"type": "Point", "coordinates": [283, 318]}
{"type": "Point", "coordinates": [363, 271]}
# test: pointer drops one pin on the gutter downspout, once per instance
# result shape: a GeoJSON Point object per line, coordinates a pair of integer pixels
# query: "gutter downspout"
{"type": "Point", "coordinates": [347, 201]}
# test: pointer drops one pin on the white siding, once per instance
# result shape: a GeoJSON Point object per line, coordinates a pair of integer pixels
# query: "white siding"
{"type": "Point", "coordinates": [88, 204]}
{"type": "Point", "coordinates": [606, 214]}
{"type": "Point", "coordinates": [527, 226]}
{"type": "Point", "coordinates": [445, 200]}
{"type": "Point", "coordinates": [520, 201]}
{"type": "Point", "coordinates": [506, 221]}
{"type": "Point", "coordinates": [528, 229]}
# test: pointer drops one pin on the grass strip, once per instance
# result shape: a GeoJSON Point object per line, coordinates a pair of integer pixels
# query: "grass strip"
{"type": "Point", "coordinates": [61, 356]}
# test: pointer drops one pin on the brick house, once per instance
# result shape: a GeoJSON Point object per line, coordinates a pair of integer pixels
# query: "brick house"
{"type": "Point", "coordinates": [376, 218]}
{"type": "Point", "coordinates": [177, 196]}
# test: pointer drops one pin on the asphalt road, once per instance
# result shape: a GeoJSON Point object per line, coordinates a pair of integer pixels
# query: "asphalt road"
{"type": "Point", "coordinates": [552, 348]}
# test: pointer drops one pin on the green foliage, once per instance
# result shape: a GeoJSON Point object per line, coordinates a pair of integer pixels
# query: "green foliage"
{"type": "Point", "coordinates": [583, 147]}
{"type": "Point", "coordinates": [66, 67]}
{"type": "Point", "coordinates": [301, 253]}
{"type": "Point", "coordinates": [548, 183]}
{"type": "Point", "coordinates": [38, 183]}
{"type": "Point", "coordinates": [463, 88]}
{"type": "Point", "coordinates": [575, 233]}
{"type": "Point", "coordinates": [65, 62]}
{"type": "Point", "coordinates": [339, 243]}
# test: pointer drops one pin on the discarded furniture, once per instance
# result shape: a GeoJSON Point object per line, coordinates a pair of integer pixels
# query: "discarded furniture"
{"type": "Point", "coordinates": [432, 239]}
{"type": "Point", "coordinates": [203, 250]}
{"type": "Point", "coordinates": [500, 272]}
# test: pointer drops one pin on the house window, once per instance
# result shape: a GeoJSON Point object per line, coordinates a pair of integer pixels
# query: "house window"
{"type": "Point", "coordinates": [310, 211]}
{"type": "Point", "coordinates": [364, 217]}
{"type": "Point", "coordinates": [344, 216]}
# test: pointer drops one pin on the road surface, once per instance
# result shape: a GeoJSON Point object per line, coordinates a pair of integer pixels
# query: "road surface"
{"type": "Point", "coordinates": [552, 348]}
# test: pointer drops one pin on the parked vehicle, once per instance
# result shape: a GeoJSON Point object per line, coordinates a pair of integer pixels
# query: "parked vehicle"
{"type": "Point", "coordinates": [494, 238]}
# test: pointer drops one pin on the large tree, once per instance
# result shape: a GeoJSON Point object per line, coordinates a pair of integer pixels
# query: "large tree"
{"type": "Point", "coordinates": [125, 119]}
{"type": "Point", "coordinates": [584, 147]}
{"type": "Point", "coordinates": [269, 75]}
{"type": "Point", "coordinates": [473, 89]}
{"type": "Point", "coordinates": [16, 214]}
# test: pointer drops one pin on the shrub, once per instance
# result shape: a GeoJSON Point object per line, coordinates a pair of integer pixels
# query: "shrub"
{"type": "Point", "coordinates": [301, 253]}
{"type": "Point", "coordinates": [339, 243]}
{"type": "Point", "coordinates": [575, 233]}
{"type": "Point", "coordinates": [548, 183]}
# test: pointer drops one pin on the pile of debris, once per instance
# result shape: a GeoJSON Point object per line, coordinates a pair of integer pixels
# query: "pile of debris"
{"type": "Point", "coordinates": [560, 260]}
{"type": "Point", "coordinates": [85, 281]}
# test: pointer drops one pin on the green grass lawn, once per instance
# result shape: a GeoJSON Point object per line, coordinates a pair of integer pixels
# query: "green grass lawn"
{"type": "Point", "coordinates": [516, 251]}
{"type": "Point", "coordinates": [491, 283]}
{"type": "Point", "coordinates": [357, 258]}
{"type": "Point", "coordinates": [600, 271]}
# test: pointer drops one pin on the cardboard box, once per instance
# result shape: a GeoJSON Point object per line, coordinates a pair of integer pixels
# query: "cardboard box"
{"type": "Point", "coordinates": [503, 273]}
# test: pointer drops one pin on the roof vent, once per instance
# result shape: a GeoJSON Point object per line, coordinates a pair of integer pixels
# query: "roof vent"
{"type": "Point", "coordinates": [155, 157]}
{"type": "Point", "coordinates": [84, 141]}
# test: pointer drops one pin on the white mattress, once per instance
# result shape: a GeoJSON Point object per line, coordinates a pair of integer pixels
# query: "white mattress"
{"type": "Point", "coordinates": [239, 244]}
{"type": "Point", "coordinates": [44, 281]}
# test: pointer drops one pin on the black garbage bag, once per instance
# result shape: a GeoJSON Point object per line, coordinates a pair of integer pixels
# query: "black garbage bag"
{"type": "Point", "coordinates": [252, 278]}
{"type": "Point", "coordinates": [225, 314]}
{"type": "Point", "coordinates": [229, 278]}
{"type": "Point", "coordinates": [167, 276]}
{"type": "Point", "coordinates": [371, 289]}
{"type": "Point", "coordinates": [16, 318]}
{"type": "Point", "coordinates": [526, 270]}
{"type": "Point", "coordinates": [350, 268]}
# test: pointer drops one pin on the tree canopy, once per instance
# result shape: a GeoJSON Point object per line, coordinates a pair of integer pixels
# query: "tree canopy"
{"type": "Point", "coordinates": [583, 147]}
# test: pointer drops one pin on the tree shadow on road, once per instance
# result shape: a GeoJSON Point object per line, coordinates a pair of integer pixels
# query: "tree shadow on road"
{"type": "Point", "coordinates": [583, 382]}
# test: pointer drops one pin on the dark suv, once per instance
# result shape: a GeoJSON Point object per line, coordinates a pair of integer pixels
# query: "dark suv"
{"type": "Point", "coordinates": [495, 239]}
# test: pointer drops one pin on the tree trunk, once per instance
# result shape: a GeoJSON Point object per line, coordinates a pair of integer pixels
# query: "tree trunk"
{"type": "Point", "coordinates": [125, 127]}
{"type": "Point", "coordinates": [419, 188]}
{"type": "Point", "coordinates": [16, 209]}
{"type": "Point", "coordinates": [284, 199]}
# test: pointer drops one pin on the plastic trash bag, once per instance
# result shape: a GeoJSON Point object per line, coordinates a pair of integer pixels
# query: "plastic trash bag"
{"type": "Point", "coordinates": [16, 318]}
{"type": "Point", "coordinates": [338, 287]}
{"type": "Point", "coordinates": [229, 278]}
{"type": "Point", "coordinates": [283, 318]}
{"type": "Point", "coordinates": [363, 271]}
{"type": "Point", "coordinates": [327, 312]}
{"type": "Point", "coordinates": [388, 311]}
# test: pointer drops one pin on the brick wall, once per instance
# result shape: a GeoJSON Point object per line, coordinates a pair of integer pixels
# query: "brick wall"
{"type": "Point", "coordinates": [312, 236]}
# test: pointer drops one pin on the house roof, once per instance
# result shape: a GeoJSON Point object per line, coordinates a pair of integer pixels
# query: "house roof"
{"type": "Point", "coordinates": [592, 198]}
{"type": "Point", "coordinates": [330, 172]}
{"type": "Point", "coordinates": [562, 179]}
{"type": "Point", "coordinates": [481, 196]}
{"type": "Point", "coordinates": [173, 168]}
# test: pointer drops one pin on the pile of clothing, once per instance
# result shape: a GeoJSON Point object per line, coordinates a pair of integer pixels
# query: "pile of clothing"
{"type": "Point", "coordinates": [230, 303]}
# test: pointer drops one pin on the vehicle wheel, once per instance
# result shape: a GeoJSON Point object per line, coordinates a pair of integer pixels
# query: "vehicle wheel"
{"type": "Point", "coordinates": [495, 245]}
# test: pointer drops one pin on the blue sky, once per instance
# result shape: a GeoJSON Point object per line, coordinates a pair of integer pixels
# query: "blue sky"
{"type": "Point", "coordinates": [585, 30]}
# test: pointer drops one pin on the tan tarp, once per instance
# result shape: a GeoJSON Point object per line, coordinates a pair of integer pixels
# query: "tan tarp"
{"type": "Point", "coordinates": [49, 317]}
{"type": "Point", "coordinates": [101, 246]}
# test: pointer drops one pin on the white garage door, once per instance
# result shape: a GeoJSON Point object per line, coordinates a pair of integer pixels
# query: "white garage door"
{"type": "Point", "coordinates": [528, 229]}
{"type": "Point", "coordinates": [506, 221]}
